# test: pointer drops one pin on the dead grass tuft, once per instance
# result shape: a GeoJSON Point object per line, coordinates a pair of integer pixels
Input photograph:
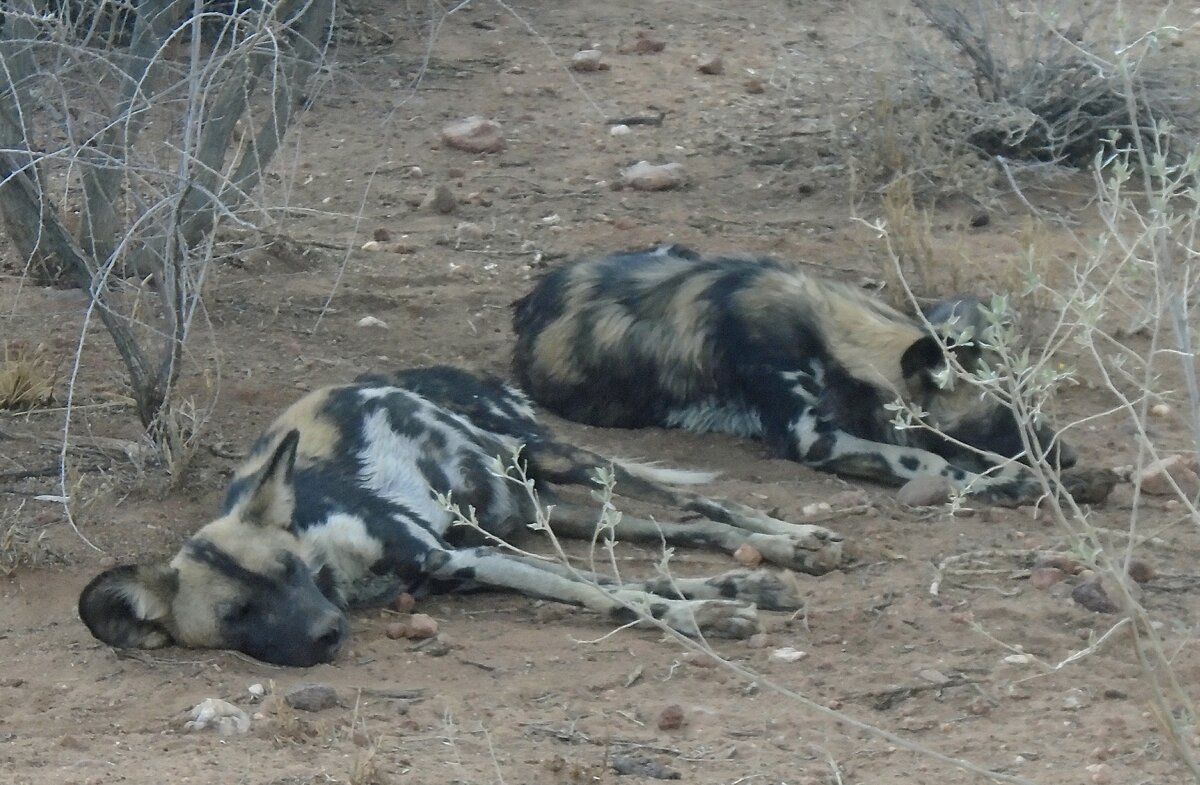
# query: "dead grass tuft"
{"type": "Point", "coordinates": [20, 546]}
{"type": "Point", "coordinates": [27, 377]}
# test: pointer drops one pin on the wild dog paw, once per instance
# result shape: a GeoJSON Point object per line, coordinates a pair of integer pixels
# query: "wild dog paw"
{"type": "Point", "coordinates": [712, 618]}
{"type": "Point", "coordinates": [812, 549]}
{"type": "Point", "coordinates": [766, 589]}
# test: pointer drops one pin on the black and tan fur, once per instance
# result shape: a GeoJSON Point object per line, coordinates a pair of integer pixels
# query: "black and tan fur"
{"type": "Point", "coordinates": [751, 346]}
{"type": "Point", "coordinates": [336, 508]}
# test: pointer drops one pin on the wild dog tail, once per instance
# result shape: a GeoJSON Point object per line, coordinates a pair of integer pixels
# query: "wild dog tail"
{"type": "Point", "coordinates": [558, 462]}
{"type": "Point", "coordinates": [667, 475]}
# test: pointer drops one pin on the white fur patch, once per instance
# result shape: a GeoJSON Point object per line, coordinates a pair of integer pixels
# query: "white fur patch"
{"type": "Point", "coordinates": [390, 469]}
{"type": "Point", "coordinates": [343, 543]}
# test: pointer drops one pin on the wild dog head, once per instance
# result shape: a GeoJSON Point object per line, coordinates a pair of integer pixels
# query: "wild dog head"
{"type": "Point", "coordinates": [958, 408]}
{"type": "Point", "coordinates": [242, 582]}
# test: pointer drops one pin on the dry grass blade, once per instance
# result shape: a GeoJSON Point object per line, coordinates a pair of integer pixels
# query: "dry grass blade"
{"type": "Point", "coordinates": [27, 377]}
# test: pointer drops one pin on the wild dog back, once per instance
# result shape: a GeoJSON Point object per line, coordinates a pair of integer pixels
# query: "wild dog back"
{"type": "Point", "coordinates": [752, 346]}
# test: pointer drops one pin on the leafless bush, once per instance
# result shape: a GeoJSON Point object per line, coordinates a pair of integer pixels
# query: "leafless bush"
{"type": "Point", "coordinates": [127, 136]}
{"type": "Point", "coordinates": [1003, 90]}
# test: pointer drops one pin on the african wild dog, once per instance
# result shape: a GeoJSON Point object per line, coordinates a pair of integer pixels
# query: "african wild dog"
{"type": "Point", "coordinates": [751, 346]}
{"type": "Point", "coordinates": [335, 508]}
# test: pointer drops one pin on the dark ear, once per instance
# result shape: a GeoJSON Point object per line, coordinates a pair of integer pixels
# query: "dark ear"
{"type": "Point", "coordinates": [273, 500]}
{"type": "Point", "coordinates": [924, 354]}
{"type": "Point", "coordinates": [129, 607]}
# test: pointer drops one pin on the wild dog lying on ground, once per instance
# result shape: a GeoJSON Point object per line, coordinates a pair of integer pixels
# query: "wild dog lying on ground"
{"type": "Point", "coordinates": [336, 508]}
{"type": "Point", "coordinates": [751, 346]}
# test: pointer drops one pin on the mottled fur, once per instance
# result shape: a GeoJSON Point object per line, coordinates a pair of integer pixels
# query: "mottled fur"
{"type": "Point", "coordinates": [753, 346]}
{"type": "Point", "coordinates": [335, 507]}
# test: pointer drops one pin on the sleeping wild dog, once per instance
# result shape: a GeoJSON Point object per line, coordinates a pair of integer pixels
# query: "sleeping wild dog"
{"type": "Point", "coordinates": [751, 346]}
{"type": "Point", "coordinates": [337, 507]}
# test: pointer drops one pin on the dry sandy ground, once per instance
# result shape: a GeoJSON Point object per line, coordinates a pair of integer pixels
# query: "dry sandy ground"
{"type": "Point", "coordinates": [518, 691]}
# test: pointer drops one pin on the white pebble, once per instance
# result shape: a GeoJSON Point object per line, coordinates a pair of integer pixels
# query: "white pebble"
{"type": "Point", "coordinates": [371, 321]}
{"type": "Point", "coordinates": [645, 176]}
{"type": "Point", "coordinates": [225, 718]}
{"type": "Point", "coordinates": [1018, 659]}
{"type": "Point", "coordinates": [1160, 410]}
{"type": "Point", "coordinates": [620, 130]}
{"type": "Point", "coordinates": [372, 245]}
{"type": "Point", "coordinates": [257, 690]}
{"type": "Point", "coordinates": [787, 654]}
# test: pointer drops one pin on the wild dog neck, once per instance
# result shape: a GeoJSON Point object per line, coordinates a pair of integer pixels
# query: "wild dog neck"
{"type": "Point", "coordinates": [865, 336]}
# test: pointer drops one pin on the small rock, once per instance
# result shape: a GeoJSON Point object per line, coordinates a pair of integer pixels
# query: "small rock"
{"type": "Point", "coordinates": [1140, 571]}
{"type": "Point", "coordinates": [1160, 410]}
{"type": "Point", "coordinates": [1154, 478]}
{"type": "Point", "coordinates": [815, 509]}
{"type": "Point", "coordinates": [851, 498]}
{"type": "Point", "coordinates": [396, 630]}
{"type": "Point", "coordinates": [372, 245]}
{"type": "Point", "coordinates": [588, 60]}
{"type": "Point", "coordinates": [642, 44]}
{"type": "Point", "coordinates": [422, 626]}
{"type": "Point", "coordinates": [381, 235]}
{"type": "Point", "coordinates": [469, 231]}
{"type": "Point", "coordinates": [371, 321]}
{"type": "Point", "coordinates": [980, 707]}
{"type": "Point", "coordinates": [926, 490]}
{"type": "Point", "coordinates": [1018, 659]}
{"type": "Point", "coordinates": [222, 716]}
{"type": "Point", "coordinates": [440, 199]}
{"type": "Point", "coordinates": [311, 697]}
{"type": "Point", "coordinates": [1042, 578]}
{"type": "Point", "coordinates": [645, 176]}
{"type": "Point", "coordinates": [711, 65]}
{"type": "Point", "coordinates": [404, 603]}
{"type": "Point", "coordinates": [641, 768]}
{"type": "Point", "coordinates": [980, 219]}
{"type": "Point", "coordinates": [475, 134]}
{"type": "Point", "coordinates": [934, 676]}
{"type": "Point", "coordinates": [1076, 699]}
{"type": "Point", "coordinates": [671, 718]}
{"type": "Point", "coordinates": [755, 86]}
{"type": "Point", "coordinates": [747, 555]}
{"type": "Point", "coordinates": [432, 647]}
{"type": "Point", "coordinates": [1067, 565]}
{"type": "Point", "coordinates": [787, 654]}
{"type": "Point", "coordinates": [256, 690]}
{"type": "Point", "coordinates": [620, 130]}
{"type": "Point", "coordinates": [1092, 596]}
{"type": "Point", "coordinates": [1101, 773]}
{"type": "Point", "coordinates": [759, 640]}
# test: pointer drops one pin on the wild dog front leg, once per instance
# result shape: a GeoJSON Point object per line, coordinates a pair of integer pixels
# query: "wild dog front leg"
{"type": "Point", "coordinates": [834, 450]}
{"type": "Point", "coordinates": [490, 567]}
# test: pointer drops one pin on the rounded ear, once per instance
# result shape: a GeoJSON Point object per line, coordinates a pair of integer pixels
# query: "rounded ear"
{"type": "Point", "coordinates": [129, 607]}
{"type": "Point", "coordinates": [925, 354]}
{"type": "Point", "coordinates": [273, 500]}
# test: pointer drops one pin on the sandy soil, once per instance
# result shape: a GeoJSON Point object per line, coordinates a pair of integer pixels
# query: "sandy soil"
{"type": "Point", "coordinates": [519, 691]}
